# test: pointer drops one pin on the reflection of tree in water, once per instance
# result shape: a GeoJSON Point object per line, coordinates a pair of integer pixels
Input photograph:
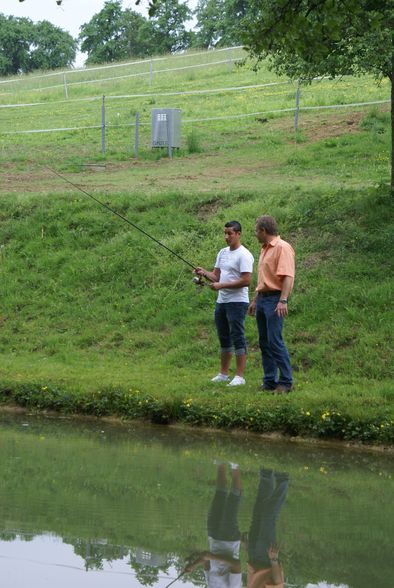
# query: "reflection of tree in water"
{"type": "Point", "coordinates": [95, 552]}
{"type": "Point", "coordinates": [148, 568]}
{"type": "Point", "coordinates": [146, 575]}
{"type": "Point", "coordinates": [197, 578]}
{"type": "Point", "coordinates": [8, 536]}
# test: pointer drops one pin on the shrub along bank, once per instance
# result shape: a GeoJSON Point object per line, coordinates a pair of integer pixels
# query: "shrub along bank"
{"type": "Point", "coordinates": [264, 414]}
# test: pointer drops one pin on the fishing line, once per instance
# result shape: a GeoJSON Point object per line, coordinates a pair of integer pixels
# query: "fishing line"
{"type": "Point", "coordinates": [122, 217]}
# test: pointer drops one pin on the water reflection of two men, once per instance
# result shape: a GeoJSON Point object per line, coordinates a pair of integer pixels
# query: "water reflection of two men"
{"type": "Point", "coordinates": [222, 566]}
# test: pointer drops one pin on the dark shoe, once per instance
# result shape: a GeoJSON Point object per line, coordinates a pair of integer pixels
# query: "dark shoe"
{"type": "Point", "coordinates": [282, 389]}
{"type": "Point", "coordinates": [266, 388]}
{"type": "Point", "coordinates": [266, 472]}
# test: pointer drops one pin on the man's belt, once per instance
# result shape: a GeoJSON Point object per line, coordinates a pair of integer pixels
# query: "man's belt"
{"type": "Point", "coordinates": [270, 293]}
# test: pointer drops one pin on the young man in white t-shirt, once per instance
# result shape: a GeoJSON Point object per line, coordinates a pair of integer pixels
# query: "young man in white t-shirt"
{"type": "Point", "coordinates": [231, 278]}
{"type": "Point", "coordinates": [222, 566]}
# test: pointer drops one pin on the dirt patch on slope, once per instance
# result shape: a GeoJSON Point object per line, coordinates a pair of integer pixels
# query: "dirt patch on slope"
{"type": "Point", "coordinates": [326, 124]}
{"type": "Point", "coordinates": [329, 126]}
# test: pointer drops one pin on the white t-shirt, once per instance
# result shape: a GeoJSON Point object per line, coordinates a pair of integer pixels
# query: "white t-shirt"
{"type": "Point", "coordinates": [232, 263]}
{"type": "Point", "coordinates": [219, 575]}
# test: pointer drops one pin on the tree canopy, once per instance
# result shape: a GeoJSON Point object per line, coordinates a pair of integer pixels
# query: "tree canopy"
{"type": "Point", "coordinates": [218, 22]}
{"type": "Point", "coordinates": [322, 37]}
{"type": "Point", "coordinates": [26, 46]}
{"type": "Point", "coordinates": [114, 34]}
{"type": "Point", "coordinates": [169, 26]}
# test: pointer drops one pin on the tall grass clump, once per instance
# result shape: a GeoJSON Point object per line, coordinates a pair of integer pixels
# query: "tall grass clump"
{"type": "Point", "coordinates": [193, 142]}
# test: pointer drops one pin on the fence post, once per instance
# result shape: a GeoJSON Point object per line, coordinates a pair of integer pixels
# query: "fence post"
{"type": "Point", "coordinates": [103, 125]}
{"type": "Point", "coordinates": [150, 73]}
{"type": "Point", "coordinates": [65, 86]}
{"type": "Point", "coordinates": [230, 60]}
{"type": "Point", "coordinates": [137, 122]}
{"type": "Point", "coordinates": [297, 107]}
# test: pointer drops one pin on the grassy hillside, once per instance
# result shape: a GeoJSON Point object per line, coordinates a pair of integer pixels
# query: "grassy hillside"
{"type": "Point", "coordinates": [88, 303]}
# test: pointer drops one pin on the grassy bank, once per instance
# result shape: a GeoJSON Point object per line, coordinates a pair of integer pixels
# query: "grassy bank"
{"type": "Point", "coordinates": [95, 318]}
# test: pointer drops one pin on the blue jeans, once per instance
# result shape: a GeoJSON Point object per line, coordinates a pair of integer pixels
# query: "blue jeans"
{"type": "Point", "coordinates": [273, 349]}
{"type": "Point", "coordinates": [222, 516]}
{"type": "Point", "coordinates": [230, 325]}
{"type": "Point", "coordinates": [270, 497]}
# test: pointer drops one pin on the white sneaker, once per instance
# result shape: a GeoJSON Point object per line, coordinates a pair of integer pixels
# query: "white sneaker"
{"type": "Point", "coordinates": [237, 381]}
{"type": "Point", "coordinates": [220, 378]}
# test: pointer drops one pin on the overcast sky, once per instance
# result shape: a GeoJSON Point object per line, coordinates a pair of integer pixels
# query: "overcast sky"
{"type": "Point", "coordinates": [69, 16]}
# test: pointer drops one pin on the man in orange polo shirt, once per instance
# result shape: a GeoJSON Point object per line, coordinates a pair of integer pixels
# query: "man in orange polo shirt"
{"type": "Point", "coordinates": [264, 568]}
{"type": "Point", "coordinates": [276, 271]}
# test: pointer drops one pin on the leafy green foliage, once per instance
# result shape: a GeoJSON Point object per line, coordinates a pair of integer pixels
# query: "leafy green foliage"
{"type": "Point", "coordinates": [261, 415]}
{"type": "Point", "coordinates": [169, 26]}
{"type": "Point", "coordinates": [329, 37]}
{"type": "Point", "coordinates": [114, 34]}
{"type": "Point", "coordinates": [26, 46]}
{"type": "Point", "coordinates": [219, 22]}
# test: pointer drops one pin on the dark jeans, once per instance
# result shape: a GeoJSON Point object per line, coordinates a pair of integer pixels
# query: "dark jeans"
{"type": "Point", "coordinates": [230, 325]}
{"type": "Point", "coordinates": [273, 349]}
{"type": "Point", "coordinates": [270, 497]}
{"type": "Point", "coordinates": [223, 515]}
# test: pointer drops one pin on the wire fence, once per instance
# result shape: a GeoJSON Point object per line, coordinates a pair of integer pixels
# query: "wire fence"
{"type": "Point", "coordinates": [149, 95]}
{"type": "Point", "coordinates": [207, 119]}
{"type": "Point", "coordinates": [146, 66]}
{"type": "Point", "coordinates": [105, 115]}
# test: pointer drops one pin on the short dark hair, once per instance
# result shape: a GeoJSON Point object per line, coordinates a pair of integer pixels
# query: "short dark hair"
{"type": "Point", "coordinates": [268, 223]}
{"type": "Point", "coordinates": [234, 225]}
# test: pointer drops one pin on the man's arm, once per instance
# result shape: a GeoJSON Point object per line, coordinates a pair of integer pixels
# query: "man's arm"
{"type": "Point", "coordinates": [213, 276]}
{"type": "Point", "coordinates": [206, 556]}
{"type": "Point", "coordinates": [252, 306]}
{"type": "Point", "coordinates": [276, 570]}
{"type": "Point", "coordinates": [243, 281]}
{"type": "Point", "coordinates": [234, 564]}
{"type": "Point", "coordinates": [287, 286]}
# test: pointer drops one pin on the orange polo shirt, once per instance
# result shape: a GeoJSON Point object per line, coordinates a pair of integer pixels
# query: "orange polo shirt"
{"type": "Point", "coordinates": [262, 578]}
{"type": "Point", "coordinates": [276, 261]}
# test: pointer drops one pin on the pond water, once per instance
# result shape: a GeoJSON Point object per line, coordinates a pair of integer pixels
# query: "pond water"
{"type": "Point", "coordinates": [93, 504]}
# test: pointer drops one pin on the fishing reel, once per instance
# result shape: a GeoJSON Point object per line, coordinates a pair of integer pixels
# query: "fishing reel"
{"type": "Point", "coordinates": [199, 281]}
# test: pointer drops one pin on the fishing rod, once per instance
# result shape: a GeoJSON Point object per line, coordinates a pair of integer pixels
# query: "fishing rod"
{"type": "Point", "coordinates": [195, 280]}
{"type": "Point", "coordinates": [191, 561]}
{"type": "Point", "coordinates": [175, 580]}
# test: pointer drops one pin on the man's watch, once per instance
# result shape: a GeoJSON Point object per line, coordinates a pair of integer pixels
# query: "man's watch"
{"type": "Point", "coordinates": [283, 300]}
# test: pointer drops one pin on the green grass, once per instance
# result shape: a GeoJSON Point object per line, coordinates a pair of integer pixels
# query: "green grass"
{"type": "Point", "coordinates": [88, 303]}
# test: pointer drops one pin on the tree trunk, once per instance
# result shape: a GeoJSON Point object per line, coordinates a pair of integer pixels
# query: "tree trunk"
{"type": "Point", "coordinates": [392, 138]}
{"type": "Point", "coordinates": [392, 117]}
